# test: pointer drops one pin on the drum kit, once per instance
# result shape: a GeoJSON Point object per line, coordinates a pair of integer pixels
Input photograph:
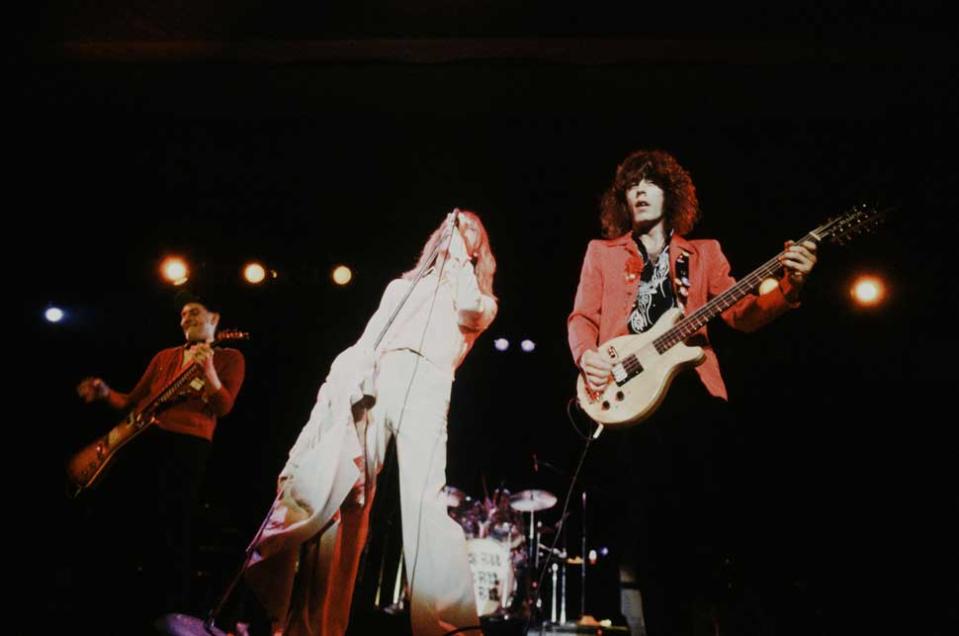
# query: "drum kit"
{"type": "Point", "coordinates": [507, 547]}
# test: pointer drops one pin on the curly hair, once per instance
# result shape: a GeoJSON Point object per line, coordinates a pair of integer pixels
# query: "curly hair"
{"type": "Point", "coordinates": [680, 205]}
{"type": "Point", "coordinates": [484, 263]}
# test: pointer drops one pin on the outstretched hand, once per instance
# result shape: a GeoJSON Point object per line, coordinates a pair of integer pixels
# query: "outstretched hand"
{"type": "Point", "coordinates": [92, 389]}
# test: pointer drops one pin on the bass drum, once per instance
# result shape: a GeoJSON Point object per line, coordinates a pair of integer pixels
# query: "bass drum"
{"type": "Point", "coordinates": [493, 580]}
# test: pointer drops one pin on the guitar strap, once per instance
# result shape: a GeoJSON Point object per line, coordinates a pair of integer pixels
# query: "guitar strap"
{"type": "Point", "coordinates": [682, 276]}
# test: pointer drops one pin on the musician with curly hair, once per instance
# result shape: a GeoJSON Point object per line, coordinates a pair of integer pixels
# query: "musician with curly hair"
{"type": "Point", "coordinates": [643, 267]}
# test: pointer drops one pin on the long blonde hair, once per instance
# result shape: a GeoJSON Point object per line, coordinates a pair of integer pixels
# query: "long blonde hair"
{"type": "Point", "coordinates": [484, 263]}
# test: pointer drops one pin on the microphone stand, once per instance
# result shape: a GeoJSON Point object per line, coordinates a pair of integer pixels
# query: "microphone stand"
{"type": "Point", "coordinates": [185, 625]}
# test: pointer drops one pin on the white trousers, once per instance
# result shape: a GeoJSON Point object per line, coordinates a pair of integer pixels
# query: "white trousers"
{"type": "Point", "coordinates": [412, 404]}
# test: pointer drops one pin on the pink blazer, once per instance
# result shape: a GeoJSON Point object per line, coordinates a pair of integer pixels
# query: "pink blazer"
{"type": "Point", "coordinates": [607, 291]}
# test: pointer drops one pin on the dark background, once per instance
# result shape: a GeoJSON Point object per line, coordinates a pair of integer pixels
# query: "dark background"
{"type": "Point", "coordinates": [308, 136]}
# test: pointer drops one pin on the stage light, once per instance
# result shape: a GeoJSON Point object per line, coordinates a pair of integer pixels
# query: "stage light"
{"type": "Point", "coordinates": [868, 291]}
{"type": "Point", "coordinates": [527, 345]}
{"type": "Point", "coordinates": [254, 273]}
{"type": "Point", "coordinates": [501, 344]}
{"type": "Point", "coordinates": [342, 275]}
{"type": "Point", "coordinates": [174, 269]}
{"type": "Point", "coordinates": [768, 285]}
{"type": "Point", "coordinates": [53, 314]}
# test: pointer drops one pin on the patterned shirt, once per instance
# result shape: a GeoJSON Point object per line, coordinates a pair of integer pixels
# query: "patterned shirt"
{"type": "Point", "coordinates": [655, 292]}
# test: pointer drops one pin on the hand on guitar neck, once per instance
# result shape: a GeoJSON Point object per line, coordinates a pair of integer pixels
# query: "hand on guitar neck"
{"type": "Point", "coordinates": [202, 355]}
{"type": "Point", "coordinates": [797, 260]}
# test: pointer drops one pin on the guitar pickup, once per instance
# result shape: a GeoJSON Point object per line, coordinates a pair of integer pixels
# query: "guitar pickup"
{"type": "Point", "coordinates": [619, 374]}
{"type": "Point", "coordinates": [627, 369]}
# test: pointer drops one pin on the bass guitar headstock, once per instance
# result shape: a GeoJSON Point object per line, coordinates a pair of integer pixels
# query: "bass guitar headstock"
{"type": "Point", "coordinates": [860, 220]}
{"type": "Point", "coordinates": [231, 335]}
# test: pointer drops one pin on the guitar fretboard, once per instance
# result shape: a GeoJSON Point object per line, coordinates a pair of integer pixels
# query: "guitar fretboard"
{"type": "Point", "coordinates": [698, 319]}
{"type": "Point", "coordinates": [172, 389]}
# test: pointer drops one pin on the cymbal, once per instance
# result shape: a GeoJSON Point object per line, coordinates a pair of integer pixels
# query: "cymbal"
{"type": "Point", "coordinates": [532, 500]}
{"type": "Point", "coordinates": [453, 496]}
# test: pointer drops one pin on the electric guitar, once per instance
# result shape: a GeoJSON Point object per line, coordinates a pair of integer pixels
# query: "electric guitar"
{"type": "Point", "coordinates": [87, 467]}
{"type": "Point", "coordinates": [645, 364]}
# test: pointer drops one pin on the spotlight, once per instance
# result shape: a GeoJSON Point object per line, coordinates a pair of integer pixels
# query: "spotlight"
{"type": "Point", "coordinates": [53, 314]}
{"type": "Point", "coordinates": [174, 269]}
{"type": "Point", "coordinates": [342, 275]}
{"type": "Point", "coordinates": [501, 344]}
{"type": "Point", "coordinates": [527, 345]}
{"type": "Point", "coordinates": [868, 291]}
{"type": "Point", "coordinates": [768, 285]}
{"type": "Point", "coordinates": [254, 273]}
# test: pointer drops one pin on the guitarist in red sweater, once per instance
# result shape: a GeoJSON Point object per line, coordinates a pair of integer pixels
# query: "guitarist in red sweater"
{"type": "Point", "coordinates": [146, 507]}
{"type": "Point", "coordinates": [644, 267]}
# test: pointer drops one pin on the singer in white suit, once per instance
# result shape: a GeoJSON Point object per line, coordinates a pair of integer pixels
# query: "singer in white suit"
{"type": "Point", "coordinates": [319, 523]}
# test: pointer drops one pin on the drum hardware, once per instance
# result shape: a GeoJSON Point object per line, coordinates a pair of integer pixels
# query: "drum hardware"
{"type": "Point", "coordinates": [558, 569]}
{"type": "Point", "coordinates": [399, 598]}
{"type": "Point", "coordinates": [553, 614]}
{"type": "Point", "coordinates": [495, 537]}
{"type": "Point", "coordinates": [562, 593]}
{"type": "Point", "coordinates": [496, 534]}
{"type": "Point", "coordinates": [533, 501]}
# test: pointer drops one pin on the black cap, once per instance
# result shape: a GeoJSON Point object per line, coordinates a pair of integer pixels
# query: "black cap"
{"type": "Point", "coordinates": [185, 296]}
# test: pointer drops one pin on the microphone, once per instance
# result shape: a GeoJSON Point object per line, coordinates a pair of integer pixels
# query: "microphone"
{"type": "Point", "coordinates": [454, 219]}
{"type": "Point", "coordinates": [446, 237]}
{"type": "Point", "coordinates": [448, 232]}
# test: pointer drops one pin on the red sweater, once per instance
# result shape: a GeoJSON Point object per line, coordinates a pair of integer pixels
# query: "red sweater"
{"type": "Point", "coordinates": [196, 414]}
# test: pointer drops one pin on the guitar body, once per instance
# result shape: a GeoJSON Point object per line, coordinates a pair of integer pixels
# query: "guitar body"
{"type": "Point", "coordinates": [628, 403]}
{"type": "Point", "coordinates": [643, 368]}
{"type": "Point", "coordinates": [87, 466]}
